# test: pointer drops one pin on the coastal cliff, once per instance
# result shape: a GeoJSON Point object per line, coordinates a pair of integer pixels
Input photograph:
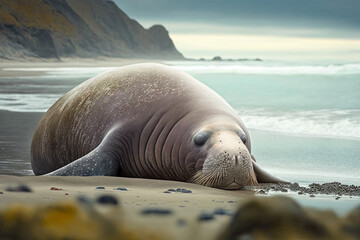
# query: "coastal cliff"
{"type": "Point", "coordinates": [77, 28]}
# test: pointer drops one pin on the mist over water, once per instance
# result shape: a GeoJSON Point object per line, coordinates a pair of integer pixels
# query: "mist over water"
{"type": "Point", "coordinates": [304, 120]}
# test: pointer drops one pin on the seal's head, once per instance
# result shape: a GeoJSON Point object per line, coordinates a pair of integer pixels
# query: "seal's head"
{"type": "Point", "coordinates": [226, 161]}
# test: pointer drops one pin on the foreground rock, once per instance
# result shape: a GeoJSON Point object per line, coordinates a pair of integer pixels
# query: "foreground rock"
{"type": "Point", "coordinates": [282, 218]}
{"type": "Point", "coordinates": [68, 220]}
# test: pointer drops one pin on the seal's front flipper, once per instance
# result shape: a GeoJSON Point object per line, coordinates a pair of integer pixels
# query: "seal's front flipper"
{"type": "Point", "coordinates": [104, 160]}
{"type": "Point", "coordinates": [95, 163]}
{"type": "Point", "coordinates": [264, 177]}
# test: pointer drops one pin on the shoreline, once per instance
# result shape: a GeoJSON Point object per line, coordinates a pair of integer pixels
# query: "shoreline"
{"type": "Point", "coordinates": [65, 62]}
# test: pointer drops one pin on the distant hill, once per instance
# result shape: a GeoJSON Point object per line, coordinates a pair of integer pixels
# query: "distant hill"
{"type": "Point", "coordinates": [77, 28]}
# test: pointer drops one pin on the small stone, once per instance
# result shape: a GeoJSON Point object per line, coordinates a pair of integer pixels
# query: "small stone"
{"type": "Point", "coordinates": [171, 190]}
{"type": "Point", "coordinates": [261, 192]}
{"type": "Point", "coordinates": [166, 192]}
{"type": "Point", "coordinates": [100, 188]}
{"type": "Point", "coordinates": [1, 193]}
{"type": "Point", "coordinates": [300, 193]}
{"type": "Point", "coordinates": [312, 195]}
{"type": "Point", "coordinates": [55, 188]}
{"type": "Point", "coordinates": [230, 201]}
{"type": "Point", "coordinates": [181, 206]}
{"type": "Point", "coordinates": [219, 211]}
{"type": "Point", "coordinates": [284, 190]}
{"type": "Point", "coordinates": [186, 191]}
{"type": "Point", "coordinates": [156, 211]}
{"type": "Point", "coordinates": [337, 198]}
{"type": "Point", "coordinates": [107, 199]}
{"type": "Point", "coordinates": [66, 194]}
{"type": "Point", "coordinates": [205, 217]}
{"type": "Point", "coordinates": [121, 189]}
{"type": "Point", "coordinates": [18, 188]}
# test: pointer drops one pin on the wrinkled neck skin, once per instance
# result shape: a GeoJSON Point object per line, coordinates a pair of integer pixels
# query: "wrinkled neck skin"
{"type": "Point", "coordinates": [225, 155]}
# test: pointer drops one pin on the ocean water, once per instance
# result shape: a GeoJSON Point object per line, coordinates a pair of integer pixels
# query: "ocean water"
{"type": "Point", "coordinates": [304, 120]}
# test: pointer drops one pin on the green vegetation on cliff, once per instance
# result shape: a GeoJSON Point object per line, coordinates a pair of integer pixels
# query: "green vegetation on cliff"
{"type": "Point", "coordinates": [77, 28]}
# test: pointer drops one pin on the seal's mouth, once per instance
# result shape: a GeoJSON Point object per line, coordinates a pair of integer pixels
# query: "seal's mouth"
{"type": "Point", "coordinates": [225, 177]}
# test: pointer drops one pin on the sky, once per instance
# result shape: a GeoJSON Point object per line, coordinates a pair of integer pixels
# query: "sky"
{"type": "Point", "coordinates": [293, 30]}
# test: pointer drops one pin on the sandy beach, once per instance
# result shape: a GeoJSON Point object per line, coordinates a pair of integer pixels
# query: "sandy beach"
{"type": "Point", "coordinates": [141, 194]}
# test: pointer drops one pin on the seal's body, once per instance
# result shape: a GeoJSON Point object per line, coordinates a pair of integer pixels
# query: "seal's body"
{"type": "Point", "coordinates": [146, 121]}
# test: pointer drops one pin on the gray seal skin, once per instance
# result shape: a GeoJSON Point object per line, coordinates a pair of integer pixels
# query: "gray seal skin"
{"type": "Point", "coordinates": [146, 121]}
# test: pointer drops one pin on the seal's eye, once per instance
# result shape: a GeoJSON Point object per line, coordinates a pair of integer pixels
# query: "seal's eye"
{"type": "Point", "coordinates": [200, 139]}
{"type": "Point", "coordinates": [243, 138]}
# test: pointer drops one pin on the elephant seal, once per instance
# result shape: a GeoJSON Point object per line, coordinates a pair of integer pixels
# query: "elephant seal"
{"type": "Point", "coordinates": [146, 121]}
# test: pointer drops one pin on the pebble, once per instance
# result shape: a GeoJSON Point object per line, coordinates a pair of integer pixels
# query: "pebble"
{"type": "Point", "coordinates": [100, 188]}
{"type": "Point", "coordinates": [181, 206]}
{"type": "Point", "coordinates": [55, 188]}
{"type": "Point", "coordinates": [337, 198]}
{"type": "Point", "coordinates": [230, 201]}
{"type": "Point", "coordinates": [312, 195]}
{"type": "Point", "coordinates": [205, 217]}
{"type": "Point", "coordinates": [1, 193]}
{"type": "Point", "coordinates": [326, 188]}
{"type": "Point", "coordinates": [261, 192]}
{"type": "Point", "coordinates": [183, 190]}
{"type": "Point", "coordinates": [166, 192]}
{"type": "Point", "coordinates": [18, 188]}
{"type": "Point", "coordinates": [171, 190]}
{"type": "Point", "coordinates": [156, 211]}
{"type": "Point", "coordinates": [107, 199]}
{"type": "Point", "coordinates": [220, 211]}
{"type": "Point", "coordinates": [121, 189]}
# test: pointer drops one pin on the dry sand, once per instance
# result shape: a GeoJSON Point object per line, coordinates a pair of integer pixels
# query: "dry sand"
{"type": "Point", "coordinates": [141, 194]}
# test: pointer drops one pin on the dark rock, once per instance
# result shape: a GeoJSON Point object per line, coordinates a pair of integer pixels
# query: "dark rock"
{"type": "Point", "coordinates": [205, 217]}
{"type": "Point", "coordinates": [1, 193]}
{"type": "Point", "coordinates": [121, 189]}
{"type": "Point", "coordinates": [337, 198]}
{"type": "Point", "coordinates": [217, 58]}
{"type": "Point", "coordinates": [156, 211]}
{"type": "Point", "coordinates": [261, 192]}
{"type": "Point", "coordinates": [171, 190]}
{"type": "Point", "coordinates": [100, 188]}
{"type": "Point", "coordinates": [55, 188]}
{"type": "Point", "coordinates": [220, 211]}
{"type": "Point", "coordinates": [312, 195]}
{"type": "Point", "coordinates": [166, 192]}
{"type": "Point", "coordinates": [18, 188]}
{"type": "Point", "coordinates": [183, 190]}
{"type": "Point", "coordinates": [107, 199]}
